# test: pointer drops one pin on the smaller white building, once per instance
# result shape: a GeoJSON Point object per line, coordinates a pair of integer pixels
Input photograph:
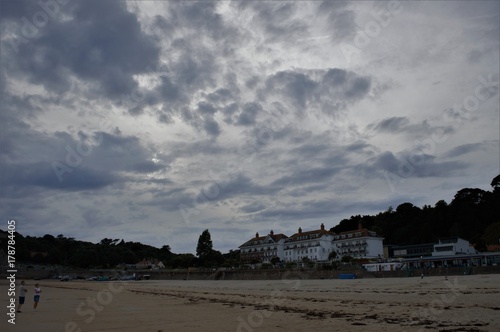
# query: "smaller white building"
{"type": "Point", "coordinates": [453, 246]}
{"type": "Point", "coordinates": [360, 243]}
{"type": "Point", "coordinates": [263, 248]}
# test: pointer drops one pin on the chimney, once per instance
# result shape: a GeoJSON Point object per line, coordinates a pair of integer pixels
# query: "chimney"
{"type": "Point", "coordinates": [322, 227]}
{"type": "Point", "coordinates": [300, 230]}
{"type": "Point", "coordinates": [256, 235]}
{"type": "Point", "coordinates": [271, 232]}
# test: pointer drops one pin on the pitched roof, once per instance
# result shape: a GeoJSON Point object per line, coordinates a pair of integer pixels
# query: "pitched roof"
{"type": "Point", "coordinates": [301, 236]}
{"type": "Point", "coordinates": [360, 232]}
{"type": "Point", "coordinates": [260, 239]}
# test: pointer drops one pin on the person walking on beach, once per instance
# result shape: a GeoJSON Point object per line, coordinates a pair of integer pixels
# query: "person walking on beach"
{"type": "Point", "coordinates": [37, 295]}
{"type": "Point", "coordinates": [22, 295]}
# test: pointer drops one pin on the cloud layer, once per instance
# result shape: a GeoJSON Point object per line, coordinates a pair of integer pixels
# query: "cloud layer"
{"type": "Point", "coordinates": [152, 121]}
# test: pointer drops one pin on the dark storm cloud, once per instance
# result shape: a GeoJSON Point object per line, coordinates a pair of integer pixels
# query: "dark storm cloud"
{"type": "Point", "coordinates": [330, 90]}
{"type": "Point", "coordinates": [194, 68]}
{"type": "Point", "coordinates": [195, 197]}
{"type": "Point", "coordinates": [18, 9]}
{"type": "Point", "coordinates": [488, 10]}
{"type": "Point", "coordinates": [358, 88]}
{"type": "Point", "coordinates": [102, 43]}
{"type": "Point", "coordinates": [326, 91]}
{"type": "Point", "coordinates": [296, 86]}
{"type": "Point", "coordinates": [110, 47]}
{"type": "Point", "coordinates": [122, 153]}
{"type": "Point", "coordinates": [360, 147]}
{"type": "Point", "coordinates": [195, 65]}
{"type": "Point", "coordinates": [206, 108]}
{"type": "Point", "coordinates": [277, 19]}
{"type": "Point", "coordinates": [463, 149]}
{"type": "Point", "coordinates": [60, 161]}
{"type": "Point", "coordinates": [395, 125]}
{"type": "Point", "coordinates": [391, 125]}
{"type": "Point", "coordinates": [172, 199]}
{"type": "Point", "coordinates": [310, 175]}
{"type": "Point", "coordinates": [41, 174]}
{"type": "Point", "coordinates": [253, 207]}
{"type": "Point", "coordinates": [170, 92]}
{"type": "Point", "coordinates": [410, 165]}
{"type": "Point", "coordinates": [220, 96]}
{"type": "Point", "coordinates": [340, 18]}
{"type": "Point", "coordinates": [198, 16]}
{"type": "Point", "coordinates": [211, 127]}
{"type": "Point", "coordinates": [248, 114]}
{"type": "Point", "coordinates": [236, 185]}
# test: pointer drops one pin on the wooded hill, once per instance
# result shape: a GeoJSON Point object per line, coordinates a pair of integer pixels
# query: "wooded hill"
{"type": "Point", "coordinates": [473, 214]}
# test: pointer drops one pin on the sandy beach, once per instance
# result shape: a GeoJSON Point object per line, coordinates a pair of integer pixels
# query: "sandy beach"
{"type": "Point", "coordinates": [464, 303]}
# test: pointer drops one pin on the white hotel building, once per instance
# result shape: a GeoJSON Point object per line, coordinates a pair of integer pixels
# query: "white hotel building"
{"type": "Point", "coordinates": [361, 243]}
{"type": "Point", "coordinates": [262, 248]}
{"type": "Point", "coordinates": [316, 245]}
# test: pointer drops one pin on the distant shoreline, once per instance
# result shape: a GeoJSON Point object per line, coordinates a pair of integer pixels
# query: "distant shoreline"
{"type": "Point", "coordinates": [256, 274]}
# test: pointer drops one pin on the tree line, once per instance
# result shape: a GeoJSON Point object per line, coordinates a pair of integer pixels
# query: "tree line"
{"type": "Point", "coordinates": [109, 253]}
{"type": "Point", "coordinates": [473, 214]}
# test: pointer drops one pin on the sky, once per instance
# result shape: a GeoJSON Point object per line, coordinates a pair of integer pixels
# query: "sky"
{"type": "Point", "coordinates": [151, 121]}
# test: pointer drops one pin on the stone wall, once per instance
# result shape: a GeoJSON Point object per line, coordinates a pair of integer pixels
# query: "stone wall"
{"type": "Point", "coordinates": [257, 274]}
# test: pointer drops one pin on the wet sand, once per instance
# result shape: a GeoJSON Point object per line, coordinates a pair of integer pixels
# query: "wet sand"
{"type": "Point", "coordinates": [464, 303]}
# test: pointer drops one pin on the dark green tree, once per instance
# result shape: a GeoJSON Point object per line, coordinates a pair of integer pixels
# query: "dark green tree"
{"type": "Point", "coordinates": [346, 259]}
{"type": "Point", "coordinates": [492, 234]}
{"type": "Point", "coordinates": [232, 257]}
{"type": "Point", "coordinates": [205, 247]}
{"type": "Point", "coordinates": [495, 183]}
{"type": "Point", "coordinates": [332, 255]}
{"type": "Point", "coordinates": [183, 261]}
{"type": "Point", "coordinates": [275, 260]}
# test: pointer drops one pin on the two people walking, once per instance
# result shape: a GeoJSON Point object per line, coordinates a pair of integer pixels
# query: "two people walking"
{"type": "Point", "coordinates": [22, 296]}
